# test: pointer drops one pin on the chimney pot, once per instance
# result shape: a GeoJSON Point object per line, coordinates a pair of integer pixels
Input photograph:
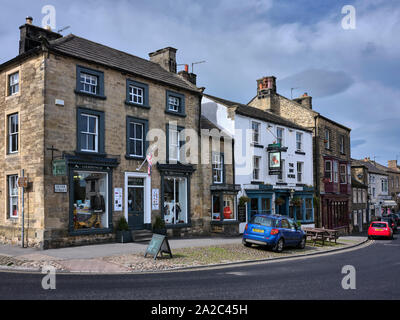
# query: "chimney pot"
{"type": "Point", "coordinates": [266, 85]}
{"type": "Point", "coordinates": [29, 20]}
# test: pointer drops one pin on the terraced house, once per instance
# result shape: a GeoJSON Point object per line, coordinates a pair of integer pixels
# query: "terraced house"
{"type": "Point", "coordinates": [75, 115]}
{"type": "Point", "coordinates": [331, 150]}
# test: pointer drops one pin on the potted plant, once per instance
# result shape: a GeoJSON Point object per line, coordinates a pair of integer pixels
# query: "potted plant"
{"type": "Point", "coordinates": [159, 226]}
{"type": "Point", "coordinates": [123, 234]}
{"type": "Point", "coordinates": [296, 202]}
{"type": "Point", "coordinates": [243, 200]}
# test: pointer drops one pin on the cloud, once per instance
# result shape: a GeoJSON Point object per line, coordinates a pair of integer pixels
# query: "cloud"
{"type": "Point", "coordinates": [318, 83]}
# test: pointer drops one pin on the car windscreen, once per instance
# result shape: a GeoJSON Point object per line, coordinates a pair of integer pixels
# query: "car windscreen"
{"type": "Point", "coordinates": [379, 225]}
{"type": "Point", "coordinates": [263, 221]}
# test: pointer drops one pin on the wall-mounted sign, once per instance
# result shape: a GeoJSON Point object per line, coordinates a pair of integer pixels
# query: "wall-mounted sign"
{"type": "Point", "coordinates": [60, 188]}
{"type": "Point", "coordinates": [274, 162]}
{"type": "Point", "coordinates": [59, 167]}
{"type": "Point", "coordinates": [117, 199]}
{"type": "Point", "coordinates": [155, 199]}
{"type": "Point", "coordinates": [22, 182]}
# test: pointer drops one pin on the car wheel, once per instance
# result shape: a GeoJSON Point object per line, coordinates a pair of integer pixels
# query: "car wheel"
{"type": "Point", "coordinates": [278, 247]}
{"type": "Point", "coordinates": [246, 244]}
{"type": "Point", "coordinates": [302, 243]}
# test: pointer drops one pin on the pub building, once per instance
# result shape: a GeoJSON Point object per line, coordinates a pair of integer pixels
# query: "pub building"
{"type": "Point", "coordinates": [78, 119]}
{"type": "Point", "coordinates": [273, 160]}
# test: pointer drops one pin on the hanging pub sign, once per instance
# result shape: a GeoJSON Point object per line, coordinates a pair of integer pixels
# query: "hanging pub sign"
{"type": "Point", "coordinates": [59, 167]}
{"type": "Point", "coordinates": [274, 159]}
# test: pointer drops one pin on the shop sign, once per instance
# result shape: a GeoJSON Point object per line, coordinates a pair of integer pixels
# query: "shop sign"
{"type": "Point", "coordinates": [60, 188]}
{"type": "Point", "coordinates": [155, 199]}
{"type": "Point", "coordinates": [158, 244]}
{"type": "Point", "coordinates": [117, 199]}
{"type": "Point", "coordinates": [242, 214]}
{"type": "Point", "coordinates": [59, 167]}
{"type": "Point", "coordinates": [274, 162]}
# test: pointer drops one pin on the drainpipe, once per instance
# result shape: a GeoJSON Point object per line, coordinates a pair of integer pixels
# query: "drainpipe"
{"type": "Point", "coordinates": [316, 172]}
{"type": "Point", "coordinates": [22, 211]}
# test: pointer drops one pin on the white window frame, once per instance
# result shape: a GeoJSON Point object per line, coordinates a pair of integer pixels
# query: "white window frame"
{"type": "Point", "coordinates": [256, 132]}
{"type": "Point", "coordinates": [299, 142]}
{"type": "Point", "coordinates": [331, 170]}
{"type": "Point", "coordinates": [174, 103]}
{"type": "Point", "coordinates": [341, 143]}
{"type": "Point", "coordinates": [174, 144]}
{"type": "Point", "coordinates": [135, 124]}
{"type": "Point", "coordinates": [218, 165]}
{"type": "Point", "coordinates": [90, 81]}
{"type": "Point", "coordinates": [136, 97]}
{"type": "Point", "coordinates": [87, 133]}
{"type": "Point", "coordinates": [13, 193]}
{"type": "Point", "coordinates": [13, 134]}
{"type": "Point", "coordinates": [335, 171]}
{"type": "Point", "coordinates": [13, 83]}
{"type": "Point", "coordinates": [344, 174]}
{"type": "Point", "coordinates": [256, 168]}
{"type": "Point", "coordinates": [327, 139]}
{"type": "Point", "coordinates": [300, 172]}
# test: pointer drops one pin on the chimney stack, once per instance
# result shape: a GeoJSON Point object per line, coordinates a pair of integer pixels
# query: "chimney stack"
{"type": "Point", "coordinates": [31, 35]}
{"type": "Point", "coordinates": [191, 77]}
{"type": "Point", "coordinates": [266, 86]}
{"type": "Point", "coordinates": [166, 58]}
{"type": "Point", "coordinates": [392, 164]}
{"type": "Point", "coordinates": [305, 100]}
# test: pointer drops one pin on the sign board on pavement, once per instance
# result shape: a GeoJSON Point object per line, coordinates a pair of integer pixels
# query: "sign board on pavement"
{"type": "Point", "coordinates": [158, 244]}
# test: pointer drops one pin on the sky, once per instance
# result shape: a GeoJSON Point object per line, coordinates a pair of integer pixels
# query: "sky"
{"type": "Point", "coordinates": [352, 74]}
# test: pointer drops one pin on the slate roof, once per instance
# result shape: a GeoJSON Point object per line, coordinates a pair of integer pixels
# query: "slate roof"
{"type": "Point", "coordinates": [81, 48]}
{"type": "Point", "coordinates": [207, 124]}
{"type": "Point", "coordinates": [369, 165]}
{"type": "Point", "coordinates": [259, 114]}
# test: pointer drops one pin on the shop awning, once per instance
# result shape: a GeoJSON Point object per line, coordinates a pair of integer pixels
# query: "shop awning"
{"type": "Point", "coordinates": [389, 203]}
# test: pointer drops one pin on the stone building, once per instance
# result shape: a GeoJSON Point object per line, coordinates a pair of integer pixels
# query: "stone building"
{"type": "Point", "coordinates": [77, 118]}
{"type": "Point", "coordinates": [361, 198]}
{"type": "Point", "coordinates": [273, 159]}
{"type": "Point", "coordinates": [394, 183]}
{"type": "Point", "coordinates": [331, 143]}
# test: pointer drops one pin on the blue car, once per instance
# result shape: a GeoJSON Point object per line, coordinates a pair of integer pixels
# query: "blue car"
{"type": "Point", "coordinates": [273, 231]}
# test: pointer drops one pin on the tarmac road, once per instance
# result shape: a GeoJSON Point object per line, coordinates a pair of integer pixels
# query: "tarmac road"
{"type": "Point", "coordinates": [319, 277]}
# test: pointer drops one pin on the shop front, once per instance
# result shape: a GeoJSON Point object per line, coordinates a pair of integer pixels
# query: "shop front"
{"type": "Point", "coordinates": [175, 194]}
{"type": "Point", "coordinates": [90, 196]}
{"type": "Point", "coordinates": [224, 215]}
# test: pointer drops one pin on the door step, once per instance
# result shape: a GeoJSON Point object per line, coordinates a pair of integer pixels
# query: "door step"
{"type": "Point", "coordinates": [142, 235]}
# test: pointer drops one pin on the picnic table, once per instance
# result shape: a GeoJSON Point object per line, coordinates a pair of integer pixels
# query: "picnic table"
{"type": "Point", "coordinates": [321, 234]}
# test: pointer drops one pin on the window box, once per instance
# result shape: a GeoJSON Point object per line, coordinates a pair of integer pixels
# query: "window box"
{"type": "Point", "coordinates": [89, 82]}
{"type": "Point", "coordinates": [137, 94]}
{"type": "Point", "coordinates": [175, 104]}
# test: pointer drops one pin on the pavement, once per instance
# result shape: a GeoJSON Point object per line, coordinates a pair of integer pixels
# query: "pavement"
{"type": "Point", "coordinates": [92, 258]}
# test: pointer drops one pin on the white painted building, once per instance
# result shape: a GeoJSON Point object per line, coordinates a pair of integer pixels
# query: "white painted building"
{"type": "Point", "coordinates": [273, 159]}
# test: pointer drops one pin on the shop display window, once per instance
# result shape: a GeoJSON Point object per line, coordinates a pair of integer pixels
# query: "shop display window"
{"type": "Point", "coordinates": [90, 200]}
{"type": "Point", "coordinates": [216, 207]}
{"type": "Point", "coordinates": [175, 200]}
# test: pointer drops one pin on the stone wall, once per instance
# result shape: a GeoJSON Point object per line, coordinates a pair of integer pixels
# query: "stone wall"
{"type": "Point", "coordinates": [60, 132]}
{"type": "Point", "coordinates": [29, 104]}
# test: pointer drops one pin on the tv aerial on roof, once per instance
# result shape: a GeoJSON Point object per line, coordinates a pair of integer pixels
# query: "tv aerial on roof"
{"type": "Point", "coordinates": [63, 29]}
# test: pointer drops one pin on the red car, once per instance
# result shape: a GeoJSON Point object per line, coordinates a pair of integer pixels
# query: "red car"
{"type": "Point", "coordinates": [380, 229]}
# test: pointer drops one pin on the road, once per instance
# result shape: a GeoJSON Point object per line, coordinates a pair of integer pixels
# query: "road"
{"type": "Point", "coordinates": [377, 277]}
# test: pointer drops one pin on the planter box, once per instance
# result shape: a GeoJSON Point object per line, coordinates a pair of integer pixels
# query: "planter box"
{"type": "Point", "coordinates": [123, 236]}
